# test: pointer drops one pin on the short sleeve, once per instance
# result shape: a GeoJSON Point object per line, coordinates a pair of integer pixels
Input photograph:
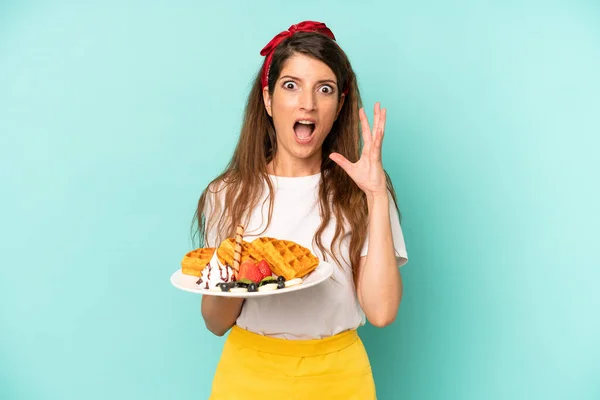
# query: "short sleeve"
{"type": "Point", "coordinates": [397, 235]}
{"type": "Point", "coordinates": [212, 207]}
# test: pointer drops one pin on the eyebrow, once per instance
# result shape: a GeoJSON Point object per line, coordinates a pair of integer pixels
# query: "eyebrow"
{"type": "Point", "coordinates": [298, 79]}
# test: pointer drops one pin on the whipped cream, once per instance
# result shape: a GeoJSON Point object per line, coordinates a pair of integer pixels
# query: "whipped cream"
{"type": "Point", "coordinates": [215, 273]}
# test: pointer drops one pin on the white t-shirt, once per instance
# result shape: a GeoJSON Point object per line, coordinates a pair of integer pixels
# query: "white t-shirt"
{"type": "Point", "coordinates": [322, 310]}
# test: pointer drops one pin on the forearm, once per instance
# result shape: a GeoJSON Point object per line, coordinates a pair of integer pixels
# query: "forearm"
{"type": "Point", "coordinates": [220, 313]}
{"type": "Point", "coordinates": [380, 285]}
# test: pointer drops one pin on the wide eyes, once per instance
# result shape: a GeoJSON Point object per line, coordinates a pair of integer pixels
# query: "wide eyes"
{"type": "Point", "coordinates": [325, 89]}
{"type": "Point", "coordinates": [289, 85]}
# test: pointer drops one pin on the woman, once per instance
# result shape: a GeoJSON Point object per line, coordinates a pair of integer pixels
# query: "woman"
{"type": "Point", "coordinates": [298, 173]}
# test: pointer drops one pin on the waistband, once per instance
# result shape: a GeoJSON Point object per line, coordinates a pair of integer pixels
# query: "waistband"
{"type": "Point", "coordinates": [296, 348]}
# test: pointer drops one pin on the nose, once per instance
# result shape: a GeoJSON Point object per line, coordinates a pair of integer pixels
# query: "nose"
{"type": "Point", "coordinates": [308, 101]}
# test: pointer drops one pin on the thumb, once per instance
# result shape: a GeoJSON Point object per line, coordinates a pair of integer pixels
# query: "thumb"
{"type": "Point", "coordinates": [341, 161]}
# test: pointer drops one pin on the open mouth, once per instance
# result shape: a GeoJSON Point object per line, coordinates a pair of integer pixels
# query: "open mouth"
{"type": "Point", "coordinates": [303, 130]}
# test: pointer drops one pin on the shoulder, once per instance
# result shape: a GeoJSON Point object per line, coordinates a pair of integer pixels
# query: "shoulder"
{"type": "Point", "coordinates": [215, 192]}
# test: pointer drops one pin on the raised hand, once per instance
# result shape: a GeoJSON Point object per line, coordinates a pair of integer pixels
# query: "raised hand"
{"type": "Point", "coordinates": [368, 171]}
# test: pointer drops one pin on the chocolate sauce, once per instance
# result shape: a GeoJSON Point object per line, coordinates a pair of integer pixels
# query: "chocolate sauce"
{"type": "Point", "coordinates": [208, 276]}
{"type": "Point", "coordinates": [226, 278]}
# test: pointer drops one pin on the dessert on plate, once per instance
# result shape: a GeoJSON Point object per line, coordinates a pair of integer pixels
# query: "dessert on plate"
{"type": "Point", "coordinates": [239, 266]}
{"type": "Point", "coordinates": [287, 258]}
{"type": "Point", "coordinates": [196, 260]}
{"type": "Point", "coordinates": [226, 252]}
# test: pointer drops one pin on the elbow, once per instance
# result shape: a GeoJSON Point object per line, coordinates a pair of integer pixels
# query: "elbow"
{"type": "Point", "coordinates": [216, 331]}
{"type": "Point", "coordinates": [381, 321]}
{"type": "Point", "coordinates": [221, 314]}
{"type": "Point", "coordinates": [215, 327]}
{"type": "Point", "coordinates": [383, 316]}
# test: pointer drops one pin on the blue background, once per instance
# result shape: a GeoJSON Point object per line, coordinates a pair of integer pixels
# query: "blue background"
{"type": "Point", "coordinates": [114, 116]}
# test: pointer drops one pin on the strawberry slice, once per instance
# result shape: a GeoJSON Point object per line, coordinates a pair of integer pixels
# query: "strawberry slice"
{"type": "Point", "coordinates": [249, 270]}
{"type": "Point", "coordinates": [244, 269]}
{"type": "Point", "coordinates": [254, 274]}
{"type": "Point", "coordinates": [264, 268]}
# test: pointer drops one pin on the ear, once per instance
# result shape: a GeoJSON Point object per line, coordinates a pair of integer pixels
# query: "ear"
{"type": "Point", "coordinates": [340, 105]}
{"type": "Point", "coordinates": [267, 100]}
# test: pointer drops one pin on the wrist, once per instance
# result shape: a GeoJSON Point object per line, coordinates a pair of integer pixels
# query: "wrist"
{"type": "Point", "coordinates": [377, 196]}
{"type": "Point", "coordinates": [377, 201]}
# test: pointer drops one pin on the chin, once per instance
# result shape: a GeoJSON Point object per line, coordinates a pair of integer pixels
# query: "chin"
{"type": "Point", "coordinates": [304, 153]}
{"type": "Point", "coordinates": [308, 149]}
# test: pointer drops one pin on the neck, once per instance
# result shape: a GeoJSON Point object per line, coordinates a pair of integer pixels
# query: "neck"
{"type": "Point", "coordinates": [294, 167]}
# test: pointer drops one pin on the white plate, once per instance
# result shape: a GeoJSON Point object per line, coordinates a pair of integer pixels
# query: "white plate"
{"type": "Point", "coordinates": [188, 283]}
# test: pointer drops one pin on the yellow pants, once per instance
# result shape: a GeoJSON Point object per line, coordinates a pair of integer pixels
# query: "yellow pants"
{"type": "Point", "coordinates": [257, 367]}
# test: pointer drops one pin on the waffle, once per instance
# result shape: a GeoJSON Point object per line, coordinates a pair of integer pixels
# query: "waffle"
{"type": "Point", "coordinates": [226, 252]}
{"type": "Point", "coordinates": [285, 257]}
{"type": "Point", "coordinates": [194, 262]}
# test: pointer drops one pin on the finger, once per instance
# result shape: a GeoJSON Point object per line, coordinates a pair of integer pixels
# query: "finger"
{"type": "Point", "coordinates": [382, 122]}
{"type": "Point", "coordinates": [342, 162]}
{"type": "Point", "coordinates": [376, 113]}
{"type": "Point", "coordinates": [376, 117]}
{"type": "Point", "coordinates": [365, 131]}
{"type": "Point", "coordinates": [378, 140]}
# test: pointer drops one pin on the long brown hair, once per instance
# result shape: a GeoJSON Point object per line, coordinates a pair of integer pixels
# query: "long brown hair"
{"type": "Point", "coordinates": [243, 178]}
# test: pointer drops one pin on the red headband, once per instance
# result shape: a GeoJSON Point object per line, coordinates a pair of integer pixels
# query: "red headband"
{"type": "Point", "coordinates": [269, 49]}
